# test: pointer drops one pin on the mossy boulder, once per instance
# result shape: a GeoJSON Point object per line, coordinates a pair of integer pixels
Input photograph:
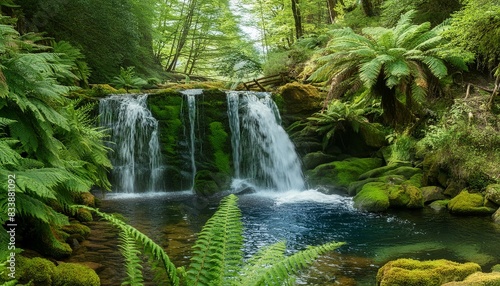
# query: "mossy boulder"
{"type": "Point", "coordinates": [76, 228]}
{"type": "Point", "coordinates": [439, 205]}
{"type": "Point", "coordinates": [467, 203]}
{"type": "Point", "coordinates": [405, 171]}
{"type": "Point", "coordinates": [492, 193]}
{"type": "Point", "coordinates": [373, 135]}
{"type": "Point", "coordinates": [84, 215]}
{"type": "Point", "coordinates": [411, 272]}
{"type": "Point", "coordinates": [37, 270]}
{"type": "Point", "coordinates": [381, 171]}
{"type": "Point", "coordinates": [52, 242]}
{"type": "Point", "coordinates": [478, 279]}
{"type": "Point", "coordinates": [219, 140]}
{"type": "Point", "coordinates": [496, 216]}
{"type": "Point", "coordinates": [432, 193]}
{"type": "Point", "coordinates": [73, 274]}
{"type": "Point", "coordinates": [405, 196]}
{"type": "Point", "coordinates": [373, 197]}
{"type": "Point", "coordinates": [314, 159]}
{"type": "Point", "coordinates": [342, 173]}
{"type": "Point", "coordinates": [300, 99]}
{"type": "Point", "coordinates": [86, 199]}
{"type": "Point", "coordinates": [355, 187]}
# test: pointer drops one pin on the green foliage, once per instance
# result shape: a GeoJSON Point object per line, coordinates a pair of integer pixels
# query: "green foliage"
{"type": "Point", "coordinates": [476, 27]}
{"type": "Point", "coordinates": [339, 116]}
{"type": "Point", "coordinates": [47, 142]}
{"type": "Point", "coordinates": [128, 79]}
{"type": "Point", "coordinates": [466, 141]}
{"type": "Point", "coordinates": [218, 137]}
{"type": "Point", "coordinates": [402, 147]}
{"type": "Point", "coordinates": [400, 65]}
{"type": "Point", "coordinates": [431, 11]}
{"type": "Point", "coordinates": [217, 254]}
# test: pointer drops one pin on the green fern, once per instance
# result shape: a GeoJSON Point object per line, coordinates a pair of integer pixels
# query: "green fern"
{"type": "Point", "coordinates": [217, 253]}
{"type": "Point", "coordinates": [217, 256]}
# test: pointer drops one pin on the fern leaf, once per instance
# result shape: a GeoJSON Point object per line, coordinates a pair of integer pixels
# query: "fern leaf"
{"type": "Point", "coordinates": [217, 252]}
{"type": "Point", "coordinates": [259, 262]}
{"type": "Point", "coordinates": [133, 262]}
{"type": "Point", "coordinates": [279, 272]}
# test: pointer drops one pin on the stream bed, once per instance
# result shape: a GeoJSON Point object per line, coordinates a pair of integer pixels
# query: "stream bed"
{"type": "Point", "coordinates": [311, 218]}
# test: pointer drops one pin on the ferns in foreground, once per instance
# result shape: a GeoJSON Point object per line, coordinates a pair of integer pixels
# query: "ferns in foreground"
{"type": "Point", "coordinates": [217, 254]}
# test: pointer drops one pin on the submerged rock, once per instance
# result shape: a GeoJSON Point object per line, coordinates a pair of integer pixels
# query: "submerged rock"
{"type": "Point", "coordinates": [411, 272]}
{"type": "Point", "coordinates": [439, 205]}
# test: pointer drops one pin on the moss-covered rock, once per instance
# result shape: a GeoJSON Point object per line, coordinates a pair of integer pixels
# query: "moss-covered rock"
{"type": "Point", "coordinates": [478, 279]}
{"type": "Point", "coordinates": [300, 99]}
{"type": "Point", "coordinates": [355, 187]}
{"type": "Point", "coordinates": [381, 171]}
{"type": "Point", "coordinates": [432, 193]}
{"type": "Point", "coordinates": [492, 193]}
{"type": "Point", "coordinates": [467, 203]}
{"type": "Point", "coordinates": [439, 205]}
{"type": "Point", "coordinates": [219, 141]}
{"type": "Point", "coordinates": [76, 228]}
{"type": "Point", "coordinates": [342, 173]}
{"type": "Point", "coordinates": [496, 216]}
{"type": "Point", "coordinates": [38, 271]}
{"type": "Point", "coordinates": [84, 215]}
{"type": "Point", "coordinates": [52, 242]}
{"type": "Point", "coordinates": [86, 199]}
{"type": "Point", "coordinates": [72, 274]}
{"type": "Point", "coordinates": [411, 272]}
{"type": "Point", "coordinates": [405, 196]}
{"type": "Point", "coordinates": [314, 159]}
{"type": "Point", "coordinates": [373, 197]}
{"type": "Point", "coordinates": [404, 171]}
{"type": "Point", "coordinates": [495, 268]}
{"type": "Point", "coordinates": [373, 135]}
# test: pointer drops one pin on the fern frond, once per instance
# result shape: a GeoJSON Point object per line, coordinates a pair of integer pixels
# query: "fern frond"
{"type": "Point", "coordinates": [133, 262]}
{"type": "Point", "coordinates": [28, 206]}
{"type": "Point", "coordinates": [217, 254]}
{"type": "Point", "coordinates": [291, 265]}
{"type": "Point", "coordinates": [259, 262]}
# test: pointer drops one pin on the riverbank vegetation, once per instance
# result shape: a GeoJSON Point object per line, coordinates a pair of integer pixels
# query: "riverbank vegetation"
{"type": "Point", "coordinates": [416, 81]}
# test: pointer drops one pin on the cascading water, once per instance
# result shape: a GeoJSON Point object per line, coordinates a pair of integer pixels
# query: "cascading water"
{"type": "Point", "coordinates": [234, 126]}
{"type": "Point", "coordinates": [136, 156]}
{"type": "Point", "coordinates": [267, 157]}
{"type": "Point", "coordinates": [191, 107]}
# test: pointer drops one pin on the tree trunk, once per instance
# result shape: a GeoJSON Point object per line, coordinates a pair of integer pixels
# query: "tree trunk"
{"type": "Point", "coordinates": [367, 8]}
{"type": "Point", "coordinates": [297, 19]}
{"type": "Point", "coordinates": [332, 14]}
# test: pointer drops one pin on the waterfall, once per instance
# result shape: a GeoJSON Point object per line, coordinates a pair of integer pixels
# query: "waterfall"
{"type": "Point", "coordinates": [265, 153]}
{"type": "Point", "coordinates": [234, 125]}
{"type": "Point", "coordinates": [136, 157]}
{"type": "Point", "coordinates": [191, 106]}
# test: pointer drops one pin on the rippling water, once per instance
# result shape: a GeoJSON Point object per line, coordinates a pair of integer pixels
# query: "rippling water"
{"type": "Point", "coordinates": [312, 218]}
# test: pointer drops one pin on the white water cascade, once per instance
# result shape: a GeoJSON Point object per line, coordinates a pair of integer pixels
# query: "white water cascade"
{"type": "Point", "coordinates": [136, 157]}
{"type": "Point", "coordinates": [191, 107]}
{"type": "Point", "coordinates": [234, 126]}
{"type": "Point", "coordinates": [265, 153]}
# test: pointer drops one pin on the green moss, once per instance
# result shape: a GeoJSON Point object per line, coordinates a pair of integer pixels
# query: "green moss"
{"type": "Point", "coordinates": [468, 204]}
{"type": "Point", "coordinates": [478, 279]}
{"type": "Point", "coordinates": [219, 139]}
{"type": "Point", "coordinates": [72, 274]}
{"type": "Point", "coordinates": [380, 171]}
{"type": "Point", "coordinates": [356, 187]}
{"type": "Point", "coordinates": [372, 197]}
{"type": "Point", "coordinates": [84, 215]}
{"type": "Point", "coordinates": [342, 173]}
{"type": "Point", "coordinates": [38, 271]}
{"type": "Point", "coordinates": [77, 228]}
{"type": "Point", "coordinates": [411, 272]}
{"type": "Point", "coordinates": [407, 196]}
{"type": "Point", "coordinates": [52, 242]}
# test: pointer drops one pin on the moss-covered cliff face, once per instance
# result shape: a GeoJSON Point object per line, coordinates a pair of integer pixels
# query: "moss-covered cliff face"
{"type": "Point", "coordinates": [212, 143]}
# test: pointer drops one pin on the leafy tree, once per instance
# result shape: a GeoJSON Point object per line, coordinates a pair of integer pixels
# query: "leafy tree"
{"type": "Point", "coordinates": [217, 256]}
{"type": "Point", "coordinates": [399, 65]}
